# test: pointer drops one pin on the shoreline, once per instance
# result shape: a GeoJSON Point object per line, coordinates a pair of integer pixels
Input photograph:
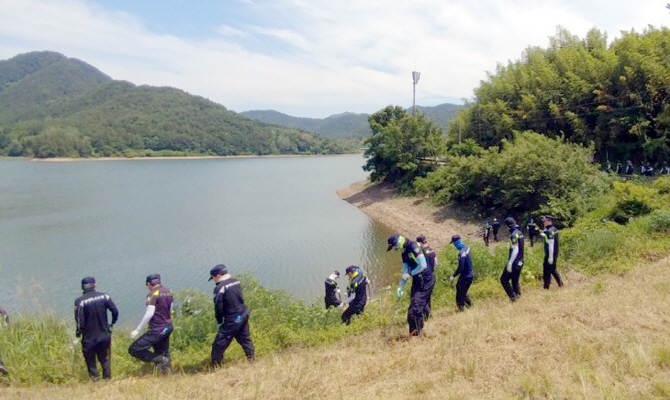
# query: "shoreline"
{"type": "Point", "coordinates": [145, 158]}
{"type": "Point", "coordinates": [411, 216]}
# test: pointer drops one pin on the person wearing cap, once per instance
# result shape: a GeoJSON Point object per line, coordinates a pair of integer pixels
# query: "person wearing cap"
{"type": "Point", "coordinates": [463, 272]}
{"type": "Point", "coordinates": [231, 315]}
{"type": "Point", "coordinates": [496, 227]}
{"type": "Point", "coordinates": [550, 237]}
{"type": "Point", "coordinates": [90, 316]}
{"type": "Point", "coordinates": [431, 260]}
{"type": "Point", "coordinates": [332, 290]}
{"type": "Point", "coordinates": [357, 296]}
{"type": "Point", "coordinates": [414, 265]}
{"type": "Point", "coordinates": [510, 276]}
{"type": "Point", "coordinates": [158, 317]}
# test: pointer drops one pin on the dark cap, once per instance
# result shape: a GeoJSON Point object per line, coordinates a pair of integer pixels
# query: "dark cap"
{"type": "Point", "coordinates": [88, 282]}
{"type": "Point", "coordinates": [154, 279]}
{"type": "Point", "coordinates": [455, 238]}
{"type": "Point", "coordinates": [218, 270]}
{"type": "Point", "coordinates": [421, 239]}
{"type": "Point", "coordinates": [548, 216]}
{"type": "Point", "coordinates": [351, 269]}
{"type": "Point", "coordinates": [510, 221]}
{"type": "Point", "coordinates": [392, 241]}
{"type": "Point", "coordinates": [336, 273]}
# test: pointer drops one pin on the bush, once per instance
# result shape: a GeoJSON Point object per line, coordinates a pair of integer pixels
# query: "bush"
{"type": "Point", "coordinates": [626, 210]}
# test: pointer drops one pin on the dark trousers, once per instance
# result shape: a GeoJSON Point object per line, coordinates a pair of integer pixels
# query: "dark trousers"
{"type": "Point", "coordinates": [422, 285]}
{"type": "Point", "coordinates": [462, 298]}
{"type": "Point", "coordinates": [159, 340]}
{"type": "Point", "coordinates": [100, 349]}
{"type": "Point", "coordinates": [229, 330]}
{"type": "Point", "coordinates": [510, 280]}
{"type": "Point", "coordinates": [352, 310]}
{"type": "Point", "coordinates": [427, 308]}
{"type": "Point", "coordinates": [549, 270]}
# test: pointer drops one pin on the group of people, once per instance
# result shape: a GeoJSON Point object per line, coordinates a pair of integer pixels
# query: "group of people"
{"type": "Point", "coordinates": [419, 261]}
{"type": "Point", "coordinates": [645, 169]}
{"type": "Point", "coordinates": [92, 309]}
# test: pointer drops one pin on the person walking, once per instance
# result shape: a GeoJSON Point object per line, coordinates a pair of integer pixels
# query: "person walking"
{"type": "Point", "coordinates": [431, 260]}
{"type": "Point", "coordinates": [357, 296]}
{"type": "Point", "coordinates": [496, 227]}
{"type": "Point", "coordinates": [550, 237]}
{"type": "Point", "coordinates": [332, 290]}
{"type": "Point", "coordinates": [463, 272]}
{"type": "Point", "coordinates": [90, 316]}
{"type": "Point", "coordinates": [231, 315]}
{"type": "Point", "coordinates": [414, 265]}
{"type": "Point", "coordinates": [158, 316]}
{"type": "Point", "coordinates": [487, 232]}
{"type": "Point", "coordinates": [512, 271]}
{"type": "Point", "coordinates": [533, 230]}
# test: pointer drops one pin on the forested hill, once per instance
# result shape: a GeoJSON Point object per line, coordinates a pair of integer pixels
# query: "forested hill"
{"type": "Point", "coordinates": [346, 124]}
{"type": "Point", "coordinates": [55, 106]}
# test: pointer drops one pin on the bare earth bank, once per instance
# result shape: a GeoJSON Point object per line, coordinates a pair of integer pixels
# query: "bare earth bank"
{"type": "Point", "coordinates": [411, 216]}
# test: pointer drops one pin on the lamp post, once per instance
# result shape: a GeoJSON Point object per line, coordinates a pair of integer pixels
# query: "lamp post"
{"type": "Point", "coordinates": [415, 77]}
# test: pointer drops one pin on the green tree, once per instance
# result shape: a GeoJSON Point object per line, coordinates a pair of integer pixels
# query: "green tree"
{"type": "Point", "coordinates": [400, 146]}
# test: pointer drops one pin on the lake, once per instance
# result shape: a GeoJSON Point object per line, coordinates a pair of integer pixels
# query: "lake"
{"type": "Point", "coordinates": [119, 221]}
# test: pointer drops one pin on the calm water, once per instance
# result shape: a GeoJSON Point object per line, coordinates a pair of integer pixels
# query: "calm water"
{"type": "Point", "coordinates": [122, 220]}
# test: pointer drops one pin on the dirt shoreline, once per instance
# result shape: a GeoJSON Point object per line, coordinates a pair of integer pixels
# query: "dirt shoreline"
{"type": "Point", "coordinates": [411, 216]}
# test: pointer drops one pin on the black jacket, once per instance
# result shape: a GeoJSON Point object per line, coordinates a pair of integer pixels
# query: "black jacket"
{"type": "Point", "coordinates": [228, 301]}
{"type": "Point", "coordinates": [90, 314]}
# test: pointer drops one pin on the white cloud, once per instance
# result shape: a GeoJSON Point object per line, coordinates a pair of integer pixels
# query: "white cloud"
{"type": "Point", "coordinates": [316, 57]}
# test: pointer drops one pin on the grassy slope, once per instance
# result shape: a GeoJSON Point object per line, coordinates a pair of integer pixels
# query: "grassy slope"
{"type": "Point", "coordinates": [604, 337]}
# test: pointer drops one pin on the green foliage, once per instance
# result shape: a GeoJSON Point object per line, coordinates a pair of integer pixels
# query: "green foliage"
{"type": "Point", "coordinates": [399, 146]}
{"type": "Point", "coordinates": [615, 96]}
{"type": "Point", "coordinates": [54, 106]}
{"type": "Point", "coordinates": [532, 173]}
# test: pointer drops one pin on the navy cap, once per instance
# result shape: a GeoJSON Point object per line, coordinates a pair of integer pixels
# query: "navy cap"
{"type": "Point", "coordinates": [88, 282]}
{"type": "Point", "coordinates": [455, 238]}
{"type": "Point", "coordinates": [154, 279]}
{"type": "Point", "coordinates": [337, 273]}
{"type": "Point", "coordinates": [218, 270]}
{"type": "Point", "coordinates": [351, 269]}
{"type": "Point", "coordinates": [392, 241]}
{"type": "Point", "coordinates": [421, 239]}
{"type": "Point", "coordinates": [510, 221]}
{"type": "Point", "coordinates": [548, 216]}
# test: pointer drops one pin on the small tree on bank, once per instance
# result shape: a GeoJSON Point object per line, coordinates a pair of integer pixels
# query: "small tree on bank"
{"type": "Point", "coordinates": [400, 145]}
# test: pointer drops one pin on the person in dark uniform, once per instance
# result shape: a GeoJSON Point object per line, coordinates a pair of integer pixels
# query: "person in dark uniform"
{"type": "Point", "coordinates": [463, 272]}
{"type": "Point", "coordinates": [496, 228]}
{"type": "Point", "coordinates": [231, 315]}
{"type": "Point", "coordinates": [512, 271]}
{"type": "Point", "coordinates": [158, 316]}
{"type": "Point", "coordinates": [414, 265]}
{"type": "Point", "coordinates": [487, 232]}
{"type": "Point", "coordinates": [550, 236]}
{"type": "Point", "coordinates": [629, 167]}
{"type": "Point", "coordinates": [533, 231]}
{"type": "Point", "coordinates": [431, 260]}
{"type": "Point", "coordinates": [357, 296]}
{"type": "Point", "coordinates": [332, 290]}
{"type": "Point", "coordinates": [4, 317]}
{"type": "Point", "coordinates": [90, 316]}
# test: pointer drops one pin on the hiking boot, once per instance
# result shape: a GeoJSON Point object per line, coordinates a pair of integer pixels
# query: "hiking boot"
{"type": "Point", "coordinates": [163, 364]}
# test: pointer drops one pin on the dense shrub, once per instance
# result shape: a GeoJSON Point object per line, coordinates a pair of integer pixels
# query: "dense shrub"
{"type": "Point", "coordinates": [532, 173]}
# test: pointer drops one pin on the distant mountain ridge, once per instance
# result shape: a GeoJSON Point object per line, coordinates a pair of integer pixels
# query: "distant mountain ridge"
{"type": "Point", "coordinates": [55, 106]}
{"type": "Point", "coordinates": [346, 124]}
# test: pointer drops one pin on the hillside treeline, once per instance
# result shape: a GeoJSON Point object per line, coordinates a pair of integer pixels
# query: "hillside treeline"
{"type": "Point", "coordinates": [615, 96]}
{"type": "Point", "coordinates": [53, 106]}
{"type": "Point", "coordinates": [534, 138]}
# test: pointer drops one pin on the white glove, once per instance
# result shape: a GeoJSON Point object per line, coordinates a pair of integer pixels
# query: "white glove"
{"type": "Point", "coordinates": [509, 268]}
{"type": "Point", "coordinates": [134, 334]}
{"type": "Point", "coordinates": [75, 341]}
{"type": "Point", "coordinates": [405, 276]}
{"type": "Point", "coordinates": [551, 261]}
{"type": "Point", "coordinates": [451, 278]}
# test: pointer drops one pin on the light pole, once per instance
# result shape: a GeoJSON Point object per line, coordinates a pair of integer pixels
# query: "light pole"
{"type": "Point", "coordinates": [415, 77]}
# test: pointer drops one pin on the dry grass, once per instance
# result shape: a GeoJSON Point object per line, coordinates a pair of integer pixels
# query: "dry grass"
{"type": "Point", "coordinates": [607, 337]}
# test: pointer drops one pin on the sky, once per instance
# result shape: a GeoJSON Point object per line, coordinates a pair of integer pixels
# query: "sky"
{"type": "Point", "coordinates": [309, 58]}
